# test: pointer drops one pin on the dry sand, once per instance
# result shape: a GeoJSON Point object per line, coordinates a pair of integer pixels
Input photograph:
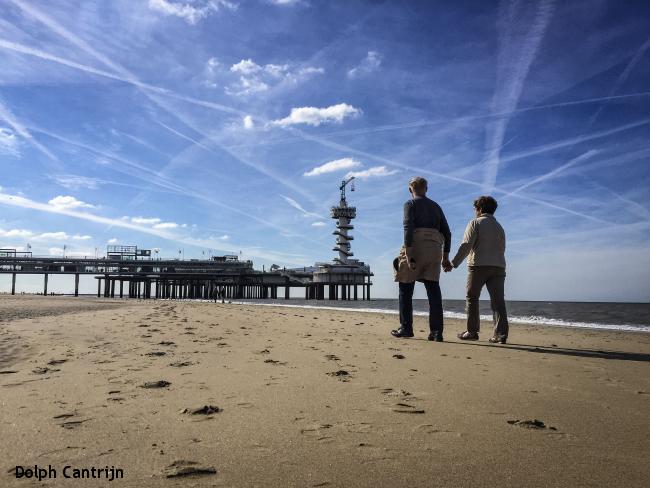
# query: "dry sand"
{"type": "Point", "coordinates": [408, 413]}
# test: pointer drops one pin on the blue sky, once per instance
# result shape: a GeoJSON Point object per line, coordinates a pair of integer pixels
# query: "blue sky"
{"type": "Point", "coordinates": [226, 126]}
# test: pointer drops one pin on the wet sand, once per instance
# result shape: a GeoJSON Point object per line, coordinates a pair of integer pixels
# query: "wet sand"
{"type": "Point", "coordinates": [204, 394]}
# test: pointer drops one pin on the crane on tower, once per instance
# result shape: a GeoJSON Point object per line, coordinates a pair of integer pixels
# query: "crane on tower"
{"type": "Point", "coordinates": [344, 183]}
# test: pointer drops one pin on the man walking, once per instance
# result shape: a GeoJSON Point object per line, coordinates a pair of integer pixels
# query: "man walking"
{"type": "Point", "coordinates": [485, 244]}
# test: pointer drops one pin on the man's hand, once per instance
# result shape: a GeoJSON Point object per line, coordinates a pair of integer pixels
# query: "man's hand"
{"type": "Point", "coordinates": [409, 257]}
{"type": "Point", "coordinates": [446, 264]}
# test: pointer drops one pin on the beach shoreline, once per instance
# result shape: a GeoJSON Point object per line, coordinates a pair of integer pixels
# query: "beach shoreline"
{"type": "Point", "coordinates": [313, 397]}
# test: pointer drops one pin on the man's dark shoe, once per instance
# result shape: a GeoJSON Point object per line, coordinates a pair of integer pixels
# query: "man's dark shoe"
{"type": "Point", "coordinates": [498, 340]}
{"type": "Point", "coordinates": [468, 336]}
{"type": "Point", "coordinates": [436, 337]}
{"type": "Point", "coordinates": [401, 333]}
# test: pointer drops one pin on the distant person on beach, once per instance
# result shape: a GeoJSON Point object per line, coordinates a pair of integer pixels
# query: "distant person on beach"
{"type": "Point", "coordinates": [485, 244]}
{"type": "Point", "coordinates": [427, 241]}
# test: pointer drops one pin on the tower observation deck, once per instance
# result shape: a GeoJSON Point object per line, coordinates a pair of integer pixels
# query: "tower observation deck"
{"type": "Point", "coordinates": [343, 215]}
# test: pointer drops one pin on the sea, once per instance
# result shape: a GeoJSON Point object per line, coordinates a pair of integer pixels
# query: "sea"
{"type": "Point", "coordinates": [585, 315]}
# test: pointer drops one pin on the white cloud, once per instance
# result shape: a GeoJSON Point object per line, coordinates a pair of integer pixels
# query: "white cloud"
{"type": "Point", "coordinates": [317, 116]}
{"type": "Point", "coordinates": [44, 236]}
{"type": "Point", "coordinates": [336, 165]}
{"type": "Point", "coordinates": [246, 67]}
{"type": "Point", "coordinates": [375, 171]}
{"type": "Point", "coordinates": [53, 236]}
{"type": "Point", "coordinates": [9, 144]}
{"type": "Point", "coordinates": [285, 2]}
{"type": "Point", "coordinates": [256, 78]}
{"type": "Point", "coordinates": [210, 73]}
{"type": "Point", "coordinates": [370, 63]}
{"type": "Point", "coordinates": [74, 182]}
{"type": "Point", "coordinates": [247, 86]}
{"type": "Point", "coordinates": [145, 220]}
{"type": "Point", "coordinates": [69, 202]}
{"type": "Point", "coordinates": [189, 13]}
{"type": "Point", "coordinates": [318, 224]}
{"type": "Point", "coordinates": [248, 122]}
{"type": "Point", "coordinates": [113, 241]}
{"type": "Point", "coordinates": [21, 233]}
{"type": "Point", "coordinates": [166, 225]}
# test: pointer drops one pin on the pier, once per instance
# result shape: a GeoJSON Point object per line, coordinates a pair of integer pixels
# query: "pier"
{"type": "Point", "coordinates": [131, 272]}
{"type": "Point", "coordinates": [221, 276]}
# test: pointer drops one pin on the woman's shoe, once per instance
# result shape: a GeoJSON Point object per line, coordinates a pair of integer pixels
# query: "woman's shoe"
{"type": "Point", "coordinates": [468, 336]}
{"type": "Point", "coordinates": [498, 340]}
{"type": "Point", "coordinates": [401, 332]}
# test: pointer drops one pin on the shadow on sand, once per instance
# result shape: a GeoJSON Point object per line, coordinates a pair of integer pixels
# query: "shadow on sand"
{"type": "Point", "coordinates": [583, 353]}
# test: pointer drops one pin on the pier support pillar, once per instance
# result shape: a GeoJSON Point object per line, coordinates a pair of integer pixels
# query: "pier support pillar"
{"type": "Point", "coordinates": [368, 292]}
{"type": "Point", "coordinates": [76, 284]}
{"type": "Point", "coordinates": [287, 292]}
{"type": "Point", "coordinates": [99, 287]}
{"type": "Point", "coordinates": [113, 288]}
{"type": "Point", "coordinates": [13, 283]}
{"type": "Point", "coordinates": [121, 288]}
{"type": "Point", "coordinates": [45, 284]}
{"type": "Point", "coordinates": [343, 292]}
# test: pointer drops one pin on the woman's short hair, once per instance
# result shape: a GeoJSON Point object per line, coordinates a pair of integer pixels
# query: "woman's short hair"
{"type": "Point", "coordinates": [418, 184]}
{"type": "Point", "coordinates": [485, 204]}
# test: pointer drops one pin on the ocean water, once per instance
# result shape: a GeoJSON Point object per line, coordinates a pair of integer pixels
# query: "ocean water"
{"type": "Point", "coordinates": [590, 315]}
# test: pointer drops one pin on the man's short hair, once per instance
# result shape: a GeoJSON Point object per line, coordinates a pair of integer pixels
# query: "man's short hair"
{"type": "Point", "coordinates": [486, 204]}
{"type": "Point", "coordinates": [418, 184]}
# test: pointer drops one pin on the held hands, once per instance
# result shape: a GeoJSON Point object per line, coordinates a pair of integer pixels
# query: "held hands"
{"type": "Point", "coordinates": [446, 265]}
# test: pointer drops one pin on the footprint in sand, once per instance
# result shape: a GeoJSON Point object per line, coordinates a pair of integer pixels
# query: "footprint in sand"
{"type": "Point", "coordinates": [273, 361]}
{"type": "Point", "coordinates": [156, 384]}
{"type": "Point", "coordinates": [341, 374]}
{"type": "Point", "coordinates": [44, 370]}
{"type": "Point", "coordinates": [531, 424]}
{"type": "Point", "coordinates": [181, 364]}
{"type": "Point", "coordinates": [73, 424]}
{"type": "Point", "coordinates": [204, 410]}
{"type": "Point", "coordinates": [406, 408]}
{"type": "Point", "coordinates": [187, 468]}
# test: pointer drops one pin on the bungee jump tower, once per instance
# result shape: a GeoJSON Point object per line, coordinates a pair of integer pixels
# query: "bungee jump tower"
{"type": "Point", "coordinates": [344, 275]}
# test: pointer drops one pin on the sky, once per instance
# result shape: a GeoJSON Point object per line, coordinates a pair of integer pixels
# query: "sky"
{"type": "Point", "coordinates": [207, 127]}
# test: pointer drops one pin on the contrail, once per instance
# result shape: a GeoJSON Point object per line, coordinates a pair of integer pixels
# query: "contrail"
{"type": "Point", "coordinates": [623, 76]}
{"type": "Point", "coordinates": [9, 118]}
{"type": "Point", "coordinates": [21, 48]}
{"type": "Point", "coordinates": [153, 177]}
{"type": "Point", "coordinates": [574, 140]}
{"type": "Point", "coordinates": [514, 59]}
{"type": "Point", "coordinates": [554, 173]}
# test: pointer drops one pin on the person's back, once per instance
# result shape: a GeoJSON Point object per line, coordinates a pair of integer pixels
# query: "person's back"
{"type": "Point", "coordinates": [421, 212]}
{"type": "Point", "coordinates": [490, 244]}
{"type": "Point", "coordinates": [484, 244]}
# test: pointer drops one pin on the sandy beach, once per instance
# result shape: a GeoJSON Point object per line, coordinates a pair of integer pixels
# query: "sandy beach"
{"type": "Point", "coordinates": [312, 398]}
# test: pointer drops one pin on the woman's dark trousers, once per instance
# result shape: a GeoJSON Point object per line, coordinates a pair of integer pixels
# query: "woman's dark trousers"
{"type": "Point", "coordinates": [406, 306]}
